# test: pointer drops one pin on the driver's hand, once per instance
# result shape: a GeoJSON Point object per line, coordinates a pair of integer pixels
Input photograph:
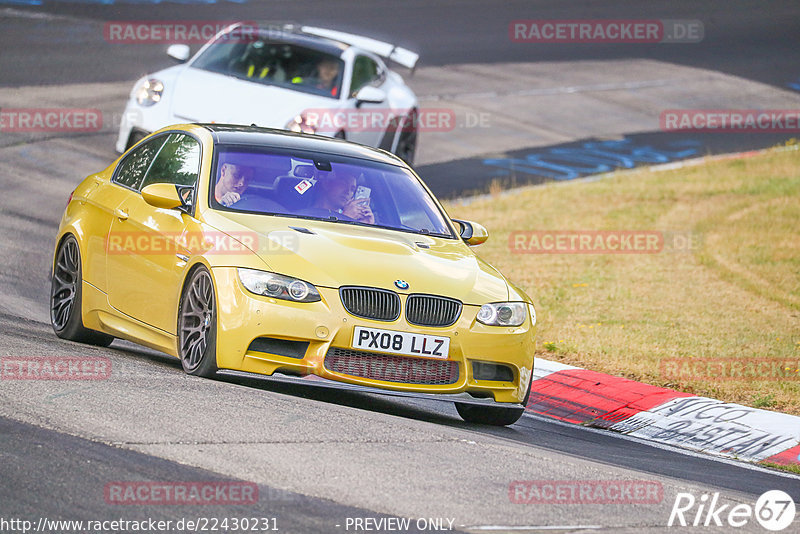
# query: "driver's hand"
{"type": "Point", "coordinates": [367, 216]}
{"type": "Point", "coordinates": [359, 210]}
{"type": "Point", "coordinates": [229, 199]}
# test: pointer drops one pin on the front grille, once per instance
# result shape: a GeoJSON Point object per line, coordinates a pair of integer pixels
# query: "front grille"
{"type": "Point", "coordinates": [391, 368]}
{"type": "Point", "coordinates": [371, 303]}
{"type": "Point", "coordinates": [430, 310]}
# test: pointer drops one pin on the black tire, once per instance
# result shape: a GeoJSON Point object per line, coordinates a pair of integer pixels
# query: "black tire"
{"type": "Point", "coordinates": [197, 325]}
{"type": "Point", "coordinates": [134, 137]}
{"type": "Point", "coordinates": [66, 293]}
{"type": "Point", "coordinates": [490, 415]}
{"type": "Point", "coordinates": [407, 144]}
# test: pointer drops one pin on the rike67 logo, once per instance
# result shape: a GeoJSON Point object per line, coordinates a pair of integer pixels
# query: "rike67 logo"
{"type": "Point", "coordinates": [774, 510]}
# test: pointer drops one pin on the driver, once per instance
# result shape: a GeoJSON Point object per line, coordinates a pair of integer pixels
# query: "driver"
{"type": "Point", "coordinates": [232, 183]}
{"type": "Point", "coordinates": [327, 72]}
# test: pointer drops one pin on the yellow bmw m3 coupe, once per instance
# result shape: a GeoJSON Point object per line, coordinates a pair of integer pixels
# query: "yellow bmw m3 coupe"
{"type": "Point", "coordinates": [248, 250]}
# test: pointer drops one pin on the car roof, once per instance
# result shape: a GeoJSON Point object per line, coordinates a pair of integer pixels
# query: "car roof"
{"type": "Point", "coordinates": [236, 134]}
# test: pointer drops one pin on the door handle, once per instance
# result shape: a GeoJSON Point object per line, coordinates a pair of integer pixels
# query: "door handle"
{"type": "Point", "coordinates": [121, 214]}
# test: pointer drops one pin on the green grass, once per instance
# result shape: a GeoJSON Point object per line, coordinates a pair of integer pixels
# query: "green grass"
{"type": "Point", "coordinates": [790, 468]}
{"type": "Point", "coordinates": [734, 294]}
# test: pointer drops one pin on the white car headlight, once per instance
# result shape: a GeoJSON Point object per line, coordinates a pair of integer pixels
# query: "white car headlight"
{"type": "Point", "coordinates": [278, 286]}
{"type": "Point", "coordinates": [149, 92]}
{"type": "Point", "coordinates": [301, 124]}
{"type": "Point", "coordinates": [502, 314]}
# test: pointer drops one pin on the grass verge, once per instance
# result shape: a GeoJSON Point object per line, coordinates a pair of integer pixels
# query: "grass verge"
{"type": "Point", "coordinates": [715, 312]}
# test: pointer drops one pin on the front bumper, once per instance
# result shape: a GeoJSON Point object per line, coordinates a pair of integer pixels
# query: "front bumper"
{"type": "Point", "coordinates": [316, 381]}
{"type": "Point", "coordinates": [243, 317]}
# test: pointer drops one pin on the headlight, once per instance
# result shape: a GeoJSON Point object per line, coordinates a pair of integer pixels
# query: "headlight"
{"type": "Point", "coordinates": [278, 286]}
{"type": "Point", "coordinates": [301, 124]}
{"type": "Point", "coordinates": [502, 314]}
{"type": "Point", "coordinates": [149, 92]}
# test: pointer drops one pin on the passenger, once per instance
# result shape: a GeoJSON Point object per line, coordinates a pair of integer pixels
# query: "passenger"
{"type": "Point", "coordinates": [232, 183]}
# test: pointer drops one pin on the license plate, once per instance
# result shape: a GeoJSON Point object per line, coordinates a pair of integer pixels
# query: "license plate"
{"type": "Point", "coordinates": [392, 342]}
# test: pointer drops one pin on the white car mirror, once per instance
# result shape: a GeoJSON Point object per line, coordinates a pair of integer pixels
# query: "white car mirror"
{"type": "Point", "coordinates": [179, 52]}
{"type": "Point", "coordinates": [370, 95]}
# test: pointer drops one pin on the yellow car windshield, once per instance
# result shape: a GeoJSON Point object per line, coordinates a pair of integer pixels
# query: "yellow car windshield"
{"type": "Point", "coordinates": [324, 187]}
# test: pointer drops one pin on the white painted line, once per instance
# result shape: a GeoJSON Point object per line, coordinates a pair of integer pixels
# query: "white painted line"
{"type": "Point", "coordinates": [542, 368]}
{"type": "Point", "coordinates": [667, 447]}
{"type": "Point", "coordinates": [20, 14]}
{"type": "Point", "coordinates": [531, 527]}
{"type": "Point", "coordinates": [567, 89]}
{"type": "Point", "coordinates": [710, 425]}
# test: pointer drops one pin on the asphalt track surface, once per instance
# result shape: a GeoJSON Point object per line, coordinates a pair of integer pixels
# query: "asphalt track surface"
{"type": "Point", "coordinates": [752, 39]}
{"type": "Point", "coordinates": [318, 456]}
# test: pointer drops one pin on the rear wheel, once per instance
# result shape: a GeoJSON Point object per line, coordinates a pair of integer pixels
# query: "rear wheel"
{"type": "Point", "coordinates": [65, 297]}
{"type": "Point", "coordinates": [197, 325]}
{"type": "Point", "coordinates": [134, 137]}
{"type": "Point", "coordinates": [489, 415]}
{"type": "Point", "coordinates": [407, 144]}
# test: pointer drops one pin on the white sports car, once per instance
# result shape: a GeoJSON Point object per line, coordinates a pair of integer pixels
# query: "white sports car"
{"type": "Point", "coordinates": [303, 79]}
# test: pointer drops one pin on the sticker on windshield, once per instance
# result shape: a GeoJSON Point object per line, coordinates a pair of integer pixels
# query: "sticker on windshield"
{"type": "Point", "coordinates": [303, 186]}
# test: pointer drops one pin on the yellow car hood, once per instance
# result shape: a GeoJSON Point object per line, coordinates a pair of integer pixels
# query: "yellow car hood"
{"type": "Point", "coordinates": [331, 254]}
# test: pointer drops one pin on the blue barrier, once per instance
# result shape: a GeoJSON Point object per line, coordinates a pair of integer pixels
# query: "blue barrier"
{"type": "Point", "coordinates": [568, 163]}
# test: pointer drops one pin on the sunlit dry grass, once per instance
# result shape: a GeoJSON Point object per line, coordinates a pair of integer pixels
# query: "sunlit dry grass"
{"type": "Point", "coordinates": [735, 294]}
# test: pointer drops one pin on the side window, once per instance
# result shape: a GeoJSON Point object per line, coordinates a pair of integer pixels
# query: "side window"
{"type": "Point", "coordinates": [365, 71]}
{"type": "Point", "coordinates": [177, 163]}
{"type": "Point", "coordinates": [131, 171]}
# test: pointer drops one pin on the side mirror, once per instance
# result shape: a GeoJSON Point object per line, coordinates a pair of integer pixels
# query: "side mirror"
{"type": "Point", "coordinates": [179, 52]}
{"type": "Point", "coordinates": [162, 196]}
{"type": "Point", "coordinates": [472, 233]}
{"type": "Point", "coordinates": [370, 95]}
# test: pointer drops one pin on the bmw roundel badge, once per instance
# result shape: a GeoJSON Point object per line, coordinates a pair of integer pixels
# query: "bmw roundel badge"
{"type": "Point", "coordinates": [401, 284]}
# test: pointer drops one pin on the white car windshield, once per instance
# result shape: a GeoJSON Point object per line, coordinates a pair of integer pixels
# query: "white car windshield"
{"type": "Point", "coordinates": [275, 63]}
{"type": "Point", "coordinates": [325, 187]}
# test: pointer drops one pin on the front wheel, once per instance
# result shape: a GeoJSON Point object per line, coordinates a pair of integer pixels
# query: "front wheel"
{"type": "Point", "coordinates": [65, 297]}
{"type": "Point", "coordinates": [197, 325]}
{"type": "Point", "coordinates": [489, 415]}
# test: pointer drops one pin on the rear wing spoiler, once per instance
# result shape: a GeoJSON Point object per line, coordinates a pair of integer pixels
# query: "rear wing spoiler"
{"type": "Point", "coordinates": [399, 55]}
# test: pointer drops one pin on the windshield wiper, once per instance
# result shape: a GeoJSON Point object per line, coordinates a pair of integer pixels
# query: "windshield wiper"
{"type": "Point", "coordinates": [425, 231]}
